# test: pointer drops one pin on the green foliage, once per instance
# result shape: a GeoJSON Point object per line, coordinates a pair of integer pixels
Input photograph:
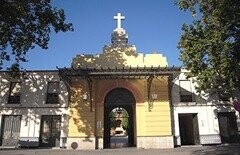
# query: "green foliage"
{"type": "Point", "coordinates": [125, 123]}
{"type": "Point", "coordinates": [25, 24]}
{"type": "Point", "coordinates": [210, 46]}
{"type": "Point", "coordinates": [112, 118]}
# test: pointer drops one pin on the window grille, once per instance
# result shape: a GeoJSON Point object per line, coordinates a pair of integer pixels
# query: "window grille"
{"type": "Point", "coordinates": [53, 93]}
{"type": "Point", "coordinates": [14, 93]}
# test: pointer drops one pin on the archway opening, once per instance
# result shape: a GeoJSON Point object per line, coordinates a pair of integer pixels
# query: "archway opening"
{"type": "Point", "coordinates": [119, 127]}
{"type": "Point", "coordinates": [119, 112]}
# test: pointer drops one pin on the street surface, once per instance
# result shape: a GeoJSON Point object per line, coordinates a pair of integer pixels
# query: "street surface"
{"type": "Point", "coordinates": [233, 149]}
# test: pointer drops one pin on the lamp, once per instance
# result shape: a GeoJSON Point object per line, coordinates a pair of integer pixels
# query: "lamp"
{"type": "Point", "coordinates": [154, 96]}
{"type": "Point", "coordinates": [119, 110]}
{"type": "Point", "coordinates": [85, 96]}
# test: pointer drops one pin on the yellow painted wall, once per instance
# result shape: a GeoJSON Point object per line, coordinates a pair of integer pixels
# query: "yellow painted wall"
{"type": "Point", "coordinates": [100, 117]}
{"type": "Point", "coordinates": [100, 85]}
{"type": "Point", "coordinates": [82, 119]}
{"type": "Point", "coordinates": [156, 122]}
{"type": "Point", "coordinates": [120, 56]}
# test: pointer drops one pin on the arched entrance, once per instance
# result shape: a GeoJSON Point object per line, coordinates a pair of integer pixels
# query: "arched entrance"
{"type": "Point", "coordinates": [119, 106]}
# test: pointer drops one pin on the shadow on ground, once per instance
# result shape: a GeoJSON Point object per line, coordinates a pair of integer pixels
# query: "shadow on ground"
{"type": "Point", "coordinates": [218, 150]}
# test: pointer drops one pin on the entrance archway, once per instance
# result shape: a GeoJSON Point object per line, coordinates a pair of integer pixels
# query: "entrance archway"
{"type": "Point", "coordinates": [119, 99]}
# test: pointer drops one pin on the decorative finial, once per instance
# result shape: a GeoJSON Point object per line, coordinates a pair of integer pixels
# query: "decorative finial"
{"type": "Point", "coordinates": [119, 36]}
{"type": "Point", "coordinates": [119, 17]}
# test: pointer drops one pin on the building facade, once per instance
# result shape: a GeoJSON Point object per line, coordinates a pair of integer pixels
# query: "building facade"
{"type": "Point", "coordinates": [34, 110]}
{"type": "Point", "coordinates": [76, 107]}
{"type": "Point", "coordinates": [119, 77]}
{"type": "Point", "coordinates": [206, 118]}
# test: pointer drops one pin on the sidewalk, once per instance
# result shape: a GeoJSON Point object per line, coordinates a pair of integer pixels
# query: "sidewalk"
{"type": "Point", "coordinates": [190, 150]}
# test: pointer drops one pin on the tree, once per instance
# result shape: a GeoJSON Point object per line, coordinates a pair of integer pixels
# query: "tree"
{"type": "Point", "coordinates": [210, 46]}
{"type": "Point", "coordinates": [125, 122]}
{"type": "Point", "coordinates": [25, 24]}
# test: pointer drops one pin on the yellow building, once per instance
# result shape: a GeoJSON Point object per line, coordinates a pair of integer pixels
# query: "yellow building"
{"type": "Point", "coordinates": [119, 77]}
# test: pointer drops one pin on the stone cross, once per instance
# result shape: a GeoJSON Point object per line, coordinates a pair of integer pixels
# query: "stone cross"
{"type": "Point", "coordinates": [119, 17]}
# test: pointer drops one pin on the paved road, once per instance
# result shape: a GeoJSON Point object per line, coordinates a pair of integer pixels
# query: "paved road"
{"type": "Point", "coordinates": [118, 141]}
{"type": "Point", "coordinates": [195, 150]}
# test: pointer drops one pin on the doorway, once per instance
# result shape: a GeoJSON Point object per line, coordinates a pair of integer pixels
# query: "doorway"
{"type": "Point", "coordinates": [189, 131]}
{"type": "Point", "coordinates": [119, 127]}
{"type": "Point", "coordinates": [50, 131]}
{"type": "Point", "coordinates": [228, 127]}
{"type": "Point", "coordinates": [119, 124]}
{"type": "Point", "coordinates": [10, 132]}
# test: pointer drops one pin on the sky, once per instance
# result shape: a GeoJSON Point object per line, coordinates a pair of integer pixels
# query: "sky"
{"type": "Point", "coordinates": [152, 26]}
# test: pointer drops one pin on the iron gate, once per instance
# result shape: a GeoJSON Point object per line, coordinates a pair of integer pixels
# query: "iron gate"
{"type": "Point", "coordinates": [10, 132]}
{"type": "Point", "coordinates": [228, 127]}
{"type": "Point", "coordinates": [50, 131]}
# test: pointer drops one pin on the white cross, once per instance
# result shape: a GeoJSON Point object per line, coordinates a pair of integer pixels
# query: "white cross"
{"type": "Point", "coordinates": [119, 18]}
